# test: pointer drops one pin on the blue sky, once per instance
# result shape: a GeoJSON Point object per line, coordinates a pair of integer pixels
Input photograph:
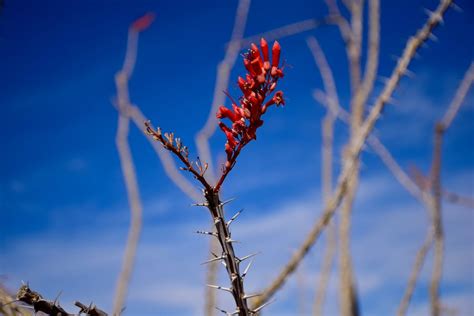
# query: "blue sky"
{"type": "Point", "coordinates": [63, 206]}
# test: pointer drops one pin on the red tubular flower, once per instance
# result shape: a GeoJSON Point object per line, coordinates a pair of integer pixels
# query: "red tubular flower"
{"type": "Point", "coordinates": [266, 60]}
{"type": "Point", "coordinates": [259, 83]}
{"type": "Point", "coordinates": [249, 67]}
{"type": "Point", "coordinates": [224, 112]}
{"type": "Point", "coordinates": [276, 49]}
{"type": "Point", "coordinates": [256, 54]}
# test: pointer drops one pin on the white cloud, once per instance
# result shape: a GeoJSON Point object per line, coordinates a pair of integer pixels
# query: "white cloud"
{"type": "Point", "coordinates": [84, 261]}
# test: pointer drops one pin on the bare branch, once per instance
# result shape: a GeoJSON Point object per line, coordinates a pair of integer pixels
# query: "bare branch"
{"type": "Point", "coordinates": [439, 131]}
{"type": "Point", "coordinates": [327, 264]}
{"type": "Point", "coordinates": [134, 113]}
{"type": "Point", "coordinates": [371, 64]}
{"type": "Point", "coordinates": [459, 97]}
{"type": "Point", "coordinates": [355, 44]}
{"type": "Point", "coordinates": [167, 161]}
{"type": "Point", "coordinates": [419, 261]}
{"type": "Point", "coordinates": [356, 145]}
{"type": "Point", "coordinates": [291, 29]}
{"type": "Point", "coordinates": [128, 172]}
{"type": "Point", "coordinates": [332, 103]}
{"type": "Point", "coordinates": [458, 199]}
{"type": "Point", "coordinates": [397, 171]}
{"type": "Point", "coordinates": [348, 298]}
{"type": "Point", "coordinates": [342, 23]}
{"type": "Point", "coordinates": [437, 222]}
{"type": "Point", "coordinates": [326, 75]}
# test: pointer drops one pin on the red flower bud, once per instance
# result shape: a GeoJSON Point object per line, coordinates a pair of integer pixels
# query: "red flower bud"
{"type": "Point", "coordinates": [276, 54]}
{"type": "Point", "coordinates": [248, 67]}
{"type": "Point", "coordinates": [264, 45]}
{"type": "Point", "coordinates": [257, 68]}
{"type": "Point", "coordinates": [143, 22]}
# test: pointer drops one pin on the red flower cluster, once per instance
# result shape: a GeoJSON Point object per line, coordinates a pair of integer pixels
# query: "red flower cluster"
{"type": "Point", "coordinates": [259, 83]}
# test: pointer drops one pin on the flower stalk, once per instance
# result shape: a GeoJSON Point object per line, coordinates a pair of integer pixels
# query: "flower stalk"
{"type": "Point", "coordinates": [258, 94]}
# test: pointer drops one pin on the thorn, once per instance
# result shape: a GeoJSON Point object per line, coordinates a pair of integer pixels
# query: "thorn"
{"type": "Point", "coordinates": [218, 287]}
{"type": "Point", "coordinates": [409, 73]}
{"type": "Point", "coordinates": [230, 240]}
{"type": "Point", "coordinates": [200, 204]}
{"type": "Point", "coordinates": [247, 269]}
{"type": "Point", "coordinates": [227, 313]}
{"type": "Point", "coordinates": [428, 12]}
{"type": "Point", "coordinates": [391, 101]}
{"type": "Point", "coordinates": [206, 233]}
{"type": "Point", "coordinates": [221, 310]}
{"type": "Point", "coordinates": [213, 259]}
{"type": "Point", "coordinates": [262, 306]}
{"type": "Point", "coordinates": [247, 257]}
{"type": "Point", "coordinates": [252, 295]}
{"type": "Point", "coordinates": [434, 15]}
{"type": "Point", "coordinates": [216, 256]}
{"type": "Point", "coordinates": [225, 202]}
{"type": "Point", "coordinates": [57, 297]}
{"type": "Point", "coordinates": [433, 37]}
{"type": "Point", "coordinates": [456, 7]}
{"type": "Point", "coordinates": [234, 217]}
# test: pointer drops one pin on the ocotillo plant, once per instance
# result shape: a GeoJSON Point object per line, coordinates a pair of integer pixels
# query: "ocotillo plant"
{"type": "Point", "coordinates": [257, 88]}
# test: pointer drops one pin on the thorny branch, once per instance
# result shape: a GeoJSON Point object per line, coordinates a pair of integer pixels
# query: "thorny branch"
{"type": "Point", "coordinates": [355, 148]}
{"type": "Point", "coordinates": [245, 116]}
{"type": "Point", "coordinates": [215, 206]}
{"type": "Point", "coordinates": [52, 308]}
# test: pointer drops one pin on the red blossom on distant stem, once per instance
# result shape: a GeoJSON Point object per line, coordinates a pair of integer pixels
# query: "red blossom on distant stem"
{"type": "Point", "coordinates": [143, 22]}
{"type": "Point", "coordinates": [259, 83]}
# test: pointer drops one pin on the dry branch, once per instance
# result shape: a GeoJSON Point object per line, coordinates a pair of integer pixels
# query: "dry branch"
{"type": "Point", "coordinates": [415, 272]}
{"type": "Point", "coordinates": [52, 308]}
{"type": "Point", "coordinates": [326, 167]}
{"type": "Point", "coordinates": [291, 29]}
{"type": "Point", "coordinates": [128, 172]}
{"type": "Point", "coordinates": [440, 129]}
{"type": "Point", "coordinates": [355, 148]}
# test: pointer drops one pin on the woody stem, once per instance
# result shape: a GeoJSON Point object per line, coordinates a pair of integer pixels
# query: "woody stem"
{"type": "Point", "coordinates": [229, 258]}
{"type": "Point", "coordinates": [229, 168]}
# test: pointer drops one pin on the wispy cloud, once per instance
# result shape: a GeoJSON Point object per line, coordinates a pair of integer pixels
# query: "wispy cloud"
{"type": "Point", "coordinates": [168, 275]}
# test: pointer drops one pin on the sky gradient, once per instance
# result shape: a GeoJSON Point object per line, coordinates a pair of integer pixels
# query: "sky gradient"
{"type": "Point", "coordinates": [63, 206]}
